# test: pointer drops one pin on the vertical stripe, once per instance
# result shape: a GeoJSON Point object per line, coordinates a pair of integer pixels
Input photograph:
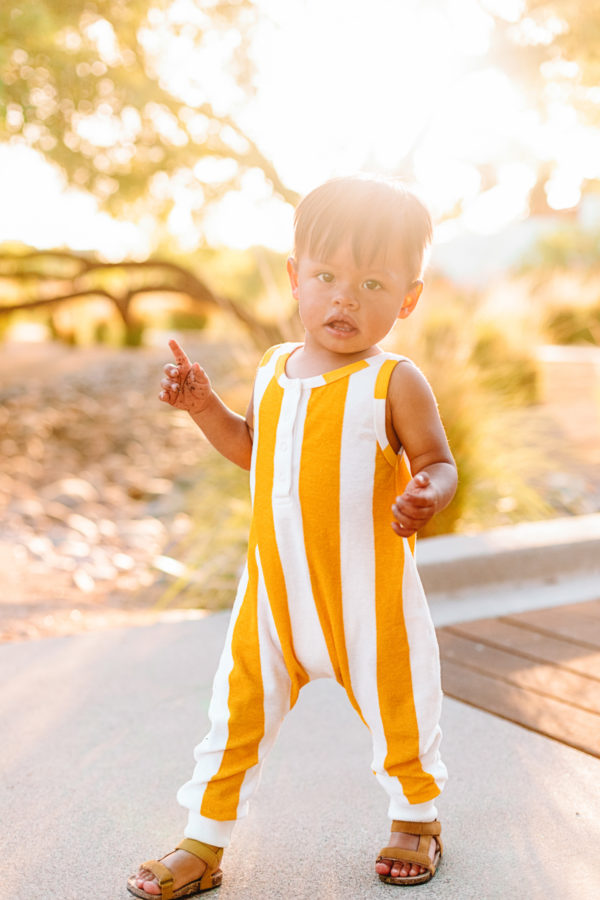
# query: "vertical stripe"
{"type": "Point", "coordinates": [246, 710]}
{"type": "Point", "coordinates": [309, 643]}
{"type": "Point", "coordinates": [383, 379]}
{"type": "Point", "coordinates": [357, 467]}
{"type": "Point", "coordinates": [276, 689]}
{"type": "Point", "coordinates": [394, 677]}
{"type": "Point", "coordinates": [269, 411]}
{"type": "Point", "coordinates": [319, 493]}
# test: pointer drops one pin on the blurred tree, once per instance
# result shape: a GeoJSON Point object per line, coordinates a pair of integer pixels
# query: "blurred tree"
{"type": "Point", "coordinates": [133, 101]}
{"type": "Point", "coordinates": [50, 278]}
{"type": "Point", "coordinates": [552, 50]}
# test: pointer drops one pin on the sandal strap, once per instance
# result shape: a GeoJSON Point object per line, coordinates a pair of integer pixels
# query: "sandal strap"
{"type": "Point", "coordinates": [418, 857]}
{"type": "Point", "coordinates": [434, 827]}
{"type": "Point", "coordinates": [164, 876]}
{"type": "Point", "coordinates": [208, 853]}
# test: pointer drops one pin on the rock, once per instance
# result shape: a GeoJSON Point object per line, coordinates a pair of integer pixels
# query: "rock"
{"type": "Point", "coordinates": [71, 491]}
{"type": "Point", "coordinates": [83, 580]}
{"type": "Point", "coordinates": [84, 526]}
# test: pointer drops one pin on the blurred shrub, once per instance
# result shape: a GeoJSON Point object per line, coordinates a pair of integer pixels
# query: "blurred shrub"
{"type": "Point", "coordinates": [133, 334]}
{"type": "Point", "coordinates": [6, 322]}
{"type": "Point", "coordinates": [66, 334]}
{"type": "Point", "coordinates": [564, 249]}
{"type": "Point", "coordinates": [183, 320]}
{"type": "Point", "coordinates": [496, 451]}
{"type": "Point", "coordinates": [573, 325]}
{"type": "Point", "coordinates": [215, 549]}
{"type": "Point", "coordinates": [483, 381]}
{"type": "Point", "coordinates": [81, 328]}
{"type": "Point", "coordinates": [504, 368]}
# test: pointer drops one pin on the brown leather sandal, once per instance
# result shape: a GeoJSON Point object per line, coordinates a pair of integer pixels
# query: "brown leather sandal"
{"type": "Point", "coordinates": [211, 878]}
{"type": "Point", "coordinates": [428, 831]}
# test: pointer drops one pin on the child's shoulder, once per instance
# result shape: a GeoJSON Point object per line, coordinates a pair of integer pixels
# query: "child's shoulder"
{"type": "Point", "coordinates": [277, 350]}
{"type": "Point", "coordinates": [399, 368]}
{"type": "Point", "coordinates": [407, 386]}
{"type": "Point", "coordinates": [387, 356]}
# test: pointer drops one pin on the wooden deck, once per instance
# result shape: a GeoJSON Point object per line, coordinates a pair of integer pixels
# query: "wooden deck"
{"type": "Point", "coordinates": [540, 669]}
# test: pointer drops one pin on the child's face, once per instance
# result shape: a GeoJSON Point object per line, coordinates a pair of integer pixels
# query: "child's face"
{"type": "Point", "coordinates": [347, 307]}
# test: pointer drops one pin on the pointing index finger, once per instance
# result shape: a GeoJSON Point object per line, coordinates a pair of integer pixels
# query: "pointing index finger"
{"type": "Point", "coordinates": [180, 356]}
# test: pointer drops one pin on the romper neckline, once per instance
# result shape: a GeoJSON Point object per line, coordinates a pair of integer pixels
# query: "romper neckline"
{"type": "Point", "coordinates": [327, 377]}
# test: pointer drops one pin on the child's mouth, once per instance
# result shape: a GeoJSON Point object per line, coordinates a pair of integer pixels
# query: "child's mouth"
{"type": "Point", "coordinates": [341, 327]}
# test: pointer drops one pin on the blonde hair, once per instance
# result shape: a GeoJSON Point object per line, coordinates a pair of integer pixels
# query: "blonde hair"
{"type": "Point", "coordinates": [380, 217]}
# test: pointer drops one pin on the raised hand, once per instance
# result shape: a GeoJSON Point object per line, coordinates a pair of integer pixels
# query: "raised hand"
{"type": "Point", "coordinates": [417, 505]}
{"type": "Point", "coordinates": [185, 385]}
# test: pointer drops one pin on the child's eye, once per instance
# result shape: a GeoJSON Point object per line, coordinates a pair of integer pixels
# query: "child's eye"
{"type": "Point", "coordinates": [371, 285]}
{"type": "Point", "coordinates": [327, 277]}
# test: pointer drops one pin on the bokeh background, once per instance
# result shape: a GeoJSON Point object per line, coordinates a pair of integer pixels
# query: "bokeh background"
{"type": "Point", "coordinates": [151, 153]}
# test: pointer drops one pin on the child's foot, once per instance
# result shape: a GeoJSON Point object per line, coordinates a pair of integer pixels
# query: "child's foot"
{"type": "Point", "coordinates": [184, 866]}
{"type": "Point", "coordinates": [397, 868]}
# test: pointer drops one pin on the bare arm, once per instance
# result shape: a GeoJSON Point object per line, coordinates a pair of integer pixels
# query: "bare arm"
{"type": "Point", "coordinates": [416, 426]}
{"type": "Point", "coordinates": [187, 386]}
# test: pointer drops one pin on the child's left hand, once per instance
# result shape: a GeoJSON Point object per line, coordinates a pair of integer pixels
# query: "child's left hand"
{"type": "Point", "coordinates": [416, 506]}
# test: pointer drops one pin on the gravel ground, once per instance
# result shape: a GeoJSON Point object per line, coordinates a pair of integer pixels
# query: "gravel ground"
{"type": "Point", "coordinates": [95, 479]}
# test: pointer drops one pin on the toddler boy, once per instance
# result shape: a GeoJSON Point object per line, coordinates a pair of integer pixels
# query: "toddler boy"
{"type": "Point", "coordinates": [339, 437]}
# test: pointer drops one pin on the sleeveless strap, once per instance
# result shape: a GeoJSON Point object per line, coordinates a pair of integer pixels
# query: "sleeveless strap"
{"type": "Point", "coordinates": [382, 382]}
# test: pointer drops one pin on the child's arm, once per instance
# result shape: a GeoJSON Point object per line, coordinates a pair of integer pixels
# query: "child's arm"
{"type": "Point", "coordinates": [416, 424]}
{"type": "Point", "coordinates": [186, 386]}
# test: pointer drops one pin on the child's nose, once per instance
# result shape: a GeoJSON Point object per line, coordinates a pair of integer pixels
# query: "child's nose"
{"type": "Point", "coordinates": [345, 296]}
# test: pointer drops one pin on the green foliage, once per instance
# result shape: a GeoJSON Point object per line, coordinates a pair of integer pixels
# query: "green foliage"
{"type": "Point", "coordinates": [133, 334]}
{"type": "Point", "coordinates": [6, 323]}
{"type": "Point", "coordinates": [573, 325]}
{"type": "Point", "coordinates": [91, 85]}
{"type": "Point", "coordinates": [184, 320]}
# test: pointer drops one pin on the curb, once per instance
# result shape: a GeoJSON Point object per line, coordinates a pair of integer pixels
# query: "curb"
{"type": "Point", "coordinates": [516, 568]}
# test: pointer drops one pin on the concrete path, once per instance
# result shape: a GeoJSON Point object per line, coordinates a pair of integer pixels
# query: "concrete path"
{"type": "Point", "coordinates": [97, 733]}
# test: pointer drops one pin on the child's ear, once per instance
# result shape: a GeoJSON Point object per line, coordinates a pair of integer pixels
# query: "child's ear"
{"type": "Point", "coordinates": [292, 270]}
{"type": "Point", "coordinates": [411, 299]}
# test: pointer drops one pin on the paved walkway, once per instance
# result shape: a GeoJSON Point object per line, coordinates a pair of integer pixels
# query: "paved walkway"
{"type": "Point", "coordinates": [97, 735]}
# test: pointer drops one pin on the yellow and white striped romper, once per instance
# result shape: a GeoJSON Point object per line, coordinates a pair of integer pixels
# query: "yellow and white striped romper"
{"type": "Point", "coordinates": [329, 591]}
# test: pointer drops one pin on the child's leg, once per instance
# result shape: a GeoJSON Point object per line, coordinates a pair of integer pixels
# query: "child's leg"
{"type": "Point", "coordinates": [251, 696]}
{"type": "Point", "coordinates": [395, 674]}
{"type": "Point", "coordinates": [395, 677]}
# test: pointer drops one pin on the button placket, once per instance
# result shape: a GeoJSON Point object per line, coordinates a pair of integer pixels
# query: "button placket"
{"type": "Point", "coordinates": [285, 440]}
